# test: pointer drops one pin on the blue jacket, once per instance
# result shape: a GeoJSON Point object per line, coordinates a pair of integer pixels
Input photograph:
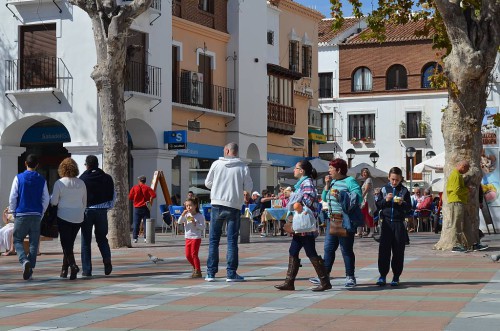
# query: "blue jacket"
{"type": "Point", "coordinates": [393, 211]}
{"type": "Point", "coordinates": [352, 217]}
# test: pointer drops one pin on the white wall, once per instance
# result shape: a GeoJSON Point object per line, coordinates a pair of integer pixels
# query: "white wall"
{"type": "Point", "coordinates": [273, 24]}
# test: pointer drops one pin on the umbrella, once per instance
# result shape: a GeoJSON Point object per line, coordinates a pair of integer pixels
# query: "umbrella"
{"type": "Point", "coordinates": [320, 165]}
{"type": "Point", "coordinates": [434, 163]}
{"type": "Point", "coordinates": [437, 185]}
{"type": "Point", "coordinates": [379, 177]}
{"type": "Point", "coordinates": [199, 190]}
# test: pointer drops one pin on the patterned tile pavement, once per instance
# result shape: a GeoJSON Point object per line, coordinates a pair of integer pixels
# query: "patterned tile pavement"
{"type": "Point", "coordinates": [439, 291]}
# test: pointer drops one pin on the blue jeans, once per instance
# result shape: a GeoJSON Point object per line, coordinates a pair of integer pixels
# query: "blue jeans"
{"type": "Point", "coordinates": [140, 214]}
{"type": "Point", "coordinates": [306, 242]}
{"type": "Point", "coordinates": [97, 218]}
{"type": "Point", "coordinates": [346, 246]}
{"type": "Point", "coordinates": [23, 226]}
{"type": "Point", "coordinates": [218, 216]}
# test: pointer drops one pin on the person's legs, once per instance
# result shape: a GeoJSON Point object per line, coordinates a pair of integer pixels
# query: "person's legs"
{"type": "Point", "coordinates": [215, 233]}
{"type": "Point", "coordinates": [233, 230]}
{"type": "Point", "coordinates": [293, 265]}
{"type": "Point", "coordinates": [101, 237]}
{"type": "Point", "coordinates": [34, 233]}
{"type": "Point", "coordinates": [194, 253]}
{"type": "Point", "coordinates": [346, 246]}
{"type": "Point", "coordinates": [21, 230]}
{"type": "Point", "coordinates": [189, 250]}
{"type": "Point", "coordinates": [136, 224]}
{"type": "Point", "coordinates": [398, 249]}
{"type": "Point", "coordinates": [384, 249]}
{"type": "Point", "coordinates": [86, 242]}
{"type": "Point", "coordinates": [330, 247]}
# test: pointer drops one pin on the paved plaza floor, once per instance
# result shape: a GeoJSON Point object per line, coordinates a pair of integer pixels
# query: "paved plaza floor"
{"type": "Point", "coordinates": [438, 291]}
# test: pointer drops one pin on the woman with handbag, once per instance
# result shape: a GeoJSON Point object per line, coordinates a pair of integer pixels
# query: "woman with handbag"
{"type": "Point", "coordinates": [368, 206]}
{"type": "Point", "coordinates": [70, 195]}
{"type": "Point", "coordinates": [338, 189]}
{"type": "Point", "coordinates": [305, 198]}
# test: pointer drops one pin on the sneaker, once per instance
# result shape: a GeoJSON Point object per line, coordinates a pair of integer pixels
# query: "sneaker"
{"type": "Point", "coordinates": [210, 278]}
{"type": "Point", "coordinates": [235, 278]}
{"type": "Point", "coordinates": [381, 281]}
{"type": "Point", "coordinates": [459, 249]}
{"type": "Point", "coordinates": [135, 241]}
{"type": "Point", "coordinates": [395, 282]}
{"type": "Point", "coordinates": [86, 274]}
{"type": "Point", "coordinates": [27, 271]}
{"type": "Point", "coordinates": [479, 247]}
{"type": "Point", "coordinates": [350, 281]}
{"type": "Point", "coordinates": [314, 280]}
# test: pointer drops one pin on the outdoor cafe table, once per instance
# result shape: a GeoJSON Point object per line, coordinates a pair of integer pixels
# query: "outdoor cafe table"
{"type": "Point", "coordinates": [274, 215]}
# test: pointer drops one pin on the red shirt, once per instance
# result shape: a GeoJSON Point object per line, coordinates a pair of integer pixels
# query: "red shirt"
{"type": "Point", "coordinates": [140, 194]}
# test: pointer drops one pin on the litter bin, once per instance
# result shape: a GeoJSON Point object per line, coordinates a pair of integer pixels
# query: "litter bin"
{"type": "Point", "coordinates": [245, 226]}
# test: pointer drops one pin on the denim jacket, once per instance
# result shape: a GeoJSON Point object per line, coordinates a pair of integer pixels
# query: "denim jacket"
{"type": "Point", "coordinates": [351, 215]}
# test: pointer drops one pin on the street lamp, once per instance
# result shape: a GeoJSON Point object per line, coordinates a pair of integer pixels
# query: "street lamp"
{"type": "Point", "coordinates": [430, 154]}
{"type": "Point", "coordinates": [374, 157]}
{"type": "Point", "coordinates": [351, 153]}
{"type": "Point", "coordinates": [410, 152]}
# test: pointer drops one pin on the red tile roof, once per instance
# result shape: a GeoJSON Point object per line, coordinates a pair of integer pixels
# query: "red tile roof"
{"type": "Point", "coordinates": [394, 33]}
{"type": "Point", "coordinates": [325, 32]}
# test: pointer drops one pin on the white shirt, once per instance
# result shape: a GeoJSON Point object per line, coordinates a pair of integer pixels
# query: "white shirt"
{"type": "Point", "coordinates": [194, 225]}
{"type": "Point", "coordinates": [70, 196]}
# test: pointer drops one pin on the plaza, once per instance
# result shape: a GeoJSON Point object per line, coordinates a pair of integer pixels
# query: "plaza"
{"type": "Point", "coordinates": [438, 291]}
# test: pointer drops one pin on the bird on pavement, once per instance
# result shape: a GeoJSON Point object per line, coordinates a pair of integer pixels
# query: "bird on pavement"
{"type": "Point", "coordinates": [154, 259]}
{"type": "Point", "coordinates": [494, 257]}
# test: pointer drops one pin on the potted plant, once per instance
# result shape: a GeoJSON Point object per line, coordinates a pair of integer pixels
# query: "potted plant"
{"type": "Point", "coordinates": [402, 129]}
{"type": "Point", "coordinates": [354, 140]}
{"type": "Point", "coordinates": [367, 140]}
{"type": "Point", "coordinates": [423, 129]}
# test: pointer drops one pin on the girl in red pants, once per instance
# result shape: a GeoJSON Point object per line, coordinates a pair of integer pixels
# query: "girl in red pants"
{"type": "Point", "coordinates": [194, 224]}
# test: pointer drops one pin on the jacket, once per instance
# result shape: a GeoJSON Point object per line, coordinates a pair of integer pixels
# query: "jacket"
{"type": "Point", "coordinates": [393, 211]}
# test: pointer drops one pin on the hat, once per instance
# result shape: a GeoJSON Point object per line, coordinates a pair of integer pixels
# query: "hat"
{"type": "Point", "coordinates": [142, 178]}
{"type": "Point", "coordinates": [256, 193]}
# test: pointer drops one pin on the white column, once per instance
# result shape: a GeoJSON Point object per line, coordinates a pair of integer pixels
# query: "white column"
{"type": "Point", "coordinates": [9, 156]}
{"type": "Point", "coordinates": [80, 152]}
{"type": "Point", "coordinates": [258, 171]}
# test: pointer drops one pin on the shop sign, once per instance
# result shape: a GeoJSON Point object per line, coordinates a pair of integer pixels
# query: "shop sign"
{"type": "Point", "coordinates": [175, 139]}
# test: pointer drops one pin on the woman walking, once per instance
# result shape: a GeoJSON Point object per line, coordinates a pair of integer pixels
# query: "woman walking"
{"type": "Point", "coordinates": [338, 184]}
{"type": "Point", "coordinates": [305, 193]}
{"type": "Point", "coordinates": [70, 195]}
{"type": "Point", "coordinates": [368, 206]}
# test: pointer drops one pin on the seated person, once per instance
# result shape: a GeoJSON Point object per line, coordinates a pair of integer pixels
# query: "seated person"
{"type": "Point", "coordinates": [247, 199]}
{"type": "Point", "coordinates": [286, 196]}
{"type": "Point", "coordinates": [7, 234]}
{"type": "Point", "coordinates": [424, 205]}
{"type": "Point", "coordinates": [264, 202]}
{"type": "Point", "coordinates": [411, 215]}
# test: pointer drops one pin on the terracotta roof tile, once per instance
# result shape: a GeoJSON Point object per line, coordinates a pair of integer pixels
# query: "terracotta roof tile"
{"type": "Point", "coordinates": [325, 32]}
{"type": "Point", "coordinates": [394, 33]}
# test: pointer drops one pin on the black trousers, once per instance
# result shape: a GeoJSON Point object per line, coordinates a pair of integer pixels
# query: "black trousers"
{"type": "Point", "coordinates": [392, 240]}
{"type": "Point", "coordinates": [68, 232]}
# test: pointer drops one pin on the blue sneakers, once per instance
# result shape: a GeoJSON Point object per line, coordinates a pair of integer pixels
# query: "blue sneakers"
{"type": "Point", "coordinates": [395, 282]}
{"type": "Point", "coordinates": [235, 278]}
{"type": "Point", "coordinates": [381, 281]}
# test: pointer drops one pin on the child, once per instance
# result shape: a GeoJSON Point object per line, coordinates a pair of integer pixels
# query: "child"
{"type": "Point", "coordinates": [395, 203]}
{"type": "Point", "coordinates": [194, 224]}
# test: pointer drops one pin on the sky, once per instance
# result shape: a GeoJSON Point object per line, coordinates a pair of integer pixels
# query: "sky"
{"type": "Point", "coordinates": [323, 6]}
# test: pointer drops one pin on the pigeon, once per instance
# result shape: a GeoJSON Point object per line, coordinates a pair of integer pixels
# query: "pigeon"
{"type": "Point", "coordinates": [154, 259]}
{"type": "Point", "coordinates": [494, 257]}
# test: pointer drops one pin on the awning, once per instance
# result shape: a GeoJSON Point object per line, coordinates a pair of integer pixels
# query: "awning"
{"type": "Point", "coordinates": [317, 136]}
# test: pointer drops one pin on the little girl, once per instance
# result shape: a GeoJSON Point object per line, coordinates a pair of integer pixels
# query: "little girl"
{"type": "Point", "coordinates": [194, 224]}
{"type": "Point", "coordinates": [395, 203]}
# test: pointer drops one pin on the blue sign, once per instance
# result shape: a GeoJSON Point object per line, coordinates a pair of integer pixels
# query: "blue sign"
{"type": "Point", "coordinates": [46, 134]}
{"type": "Point", "coordinates": [202, 151]}
{"type": "Point", "coordinates": [175, 139]}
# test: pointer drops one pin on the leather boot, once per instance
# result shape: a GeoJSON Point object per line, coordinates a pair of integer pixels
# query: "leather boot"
{"type": "Point", "coordinates": [108, 267]}
{"type": "Point", "coordinates": [293, 269]}
{"type": "Point", "coordinates": [319, 266]}
{"type": "Point", "coordinates": [72, 265]}
{"type": "Point", "coordinates": [64, 268]}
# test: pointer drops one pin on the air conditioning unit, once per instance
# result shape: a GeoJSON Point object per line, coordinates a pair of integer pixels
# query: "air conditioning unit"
{"type": "Point", "coordinates": [298, 142]}
{"type": "Point", "coordinates": [194, 126]}
{"type": "Point", "coordinates": [192, 88]}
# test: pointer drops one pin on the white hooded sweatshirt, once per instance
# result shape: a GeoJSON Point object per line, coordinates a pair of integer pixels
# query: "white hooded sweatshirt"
{"type": "Point", "coordinates": [228, 178]}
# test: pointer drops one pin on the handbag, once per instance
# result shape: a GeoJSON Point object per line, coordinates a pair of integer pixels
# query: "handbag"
{"type": "Point", "coordinates": [336, 228]}
{"type": "Point", "coordinates": [48, 225]}
{"type": "Point", "coordinates": [288, 227]}
{"type": "Point", "coordinates": [304, 221]}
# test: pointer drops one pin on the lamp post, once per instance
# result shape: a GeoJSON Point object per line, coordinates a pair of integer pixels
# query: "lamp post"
{"type": "Point", "coordinates": [430, 154]}
{"type": "Point", "coordinates": [351, 153]}
{"type": "Point", "coordinates": [374, 157]}
{"type": "Point", "coordinates": [410, 152]}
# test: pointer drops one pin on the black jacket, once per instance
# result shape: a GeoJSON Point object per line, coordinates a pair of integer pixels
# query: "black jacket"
{"type": "Point", "coordinates": [389, 209]}
{"type": "Point", "coordinates": [100, 186]}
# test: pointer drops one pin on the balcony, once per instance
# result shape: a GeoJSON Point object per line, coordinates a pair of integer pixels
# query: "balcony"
{"type": "Point", "coordinates": [189, 90]}
{"type": "Point", "coordinates": [143, 78]}
{"type": "Point", "coordinates": [281, 119]}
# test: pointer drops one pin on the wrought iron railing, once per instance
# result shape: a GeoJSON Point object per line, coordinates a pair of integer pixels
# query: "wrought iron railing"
{"type": "Point", "coordinates": [36, 73]}
{"type": "Point", "coordinates": [143, 78]}
{"type": "Point", "coordinates": [281, 118]}
{"type": "Point", "coordinates": [189, 90]}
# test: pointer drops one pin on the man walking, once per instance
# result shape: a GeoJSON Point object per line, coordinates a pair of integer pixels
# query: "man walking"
{"type": "Point", "coordinates": [142, 196]}
{"type": "Point", "coordinates": [28, 200]}
{"type": "Point", "coordinates": [228, 178]}
{"type": "Point", "coordinates": [458, 195]}
{"type": "Point", "coordinates": [100, 198]}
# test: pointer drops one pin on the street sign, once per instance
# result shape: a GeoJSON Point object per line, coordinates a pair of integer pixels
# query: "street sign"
{"type": "Point", "coordinates": [175, 139]}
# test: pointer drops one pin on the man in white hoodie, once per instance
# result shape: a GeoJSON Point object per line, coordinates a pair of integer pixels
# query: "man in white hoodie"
{"type": "Point", "coordinates": [228, 178]}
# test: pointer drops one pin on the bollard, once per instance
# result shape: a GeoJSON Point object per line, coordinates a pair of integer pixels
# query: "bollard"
{"type": "Point", "coordinates": [150, 230]}
{"type": "Point", "coordinates": [245, 226]}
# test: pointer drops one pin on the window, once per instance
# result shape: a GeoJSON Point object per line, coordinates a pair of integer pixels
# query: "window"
{"type": "Point", "coordinates": [362, 80]}
{"type": "Point", "coordinates": [429, 70]}
{"type": "Point", "coordinates": [280, 91]}
{"type": "Point", "coordinates": [396, 78]}
{"type": "Point", "coordinates": [294, 56]}
{"type": "Point", "coordinates": [306, 61]}
{"type": "Point", "coordinates": [206, 5]}
{"type": "Point", "coordinates": [413, 120]}
{"type": "Point", "coordinates": [270, 37]}
{"type": "Point", "coordinates": [361, 126]}
{"type": "Point", "coordinates": [327, 126]}
{"type": "Point", "coordinates": [325, 85]}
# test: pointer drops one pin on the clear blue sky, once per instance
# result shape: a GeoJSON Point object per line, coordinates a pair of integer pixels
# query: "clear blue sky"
{"type": "Point", "coordinates": [323, 6]}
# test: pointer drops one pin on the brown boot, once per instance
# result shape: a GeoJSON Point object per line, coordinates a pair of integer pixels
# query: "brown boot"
{"type": "Point", "coordinates": [319, 266]}
{"type": "Point", "coordinates": [197, 274]}
{"type": "Point", "coordinates": [293, 269]}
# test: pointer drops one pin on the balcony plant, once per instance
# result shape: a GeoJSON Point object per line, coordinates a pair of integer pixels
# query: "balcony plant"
{"type": "Point", "coordinates": [367, 140]}
{"type": "Point", "coordinates": [354, 140]}
{"type": "Point", "coordinates": [402, 129]}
